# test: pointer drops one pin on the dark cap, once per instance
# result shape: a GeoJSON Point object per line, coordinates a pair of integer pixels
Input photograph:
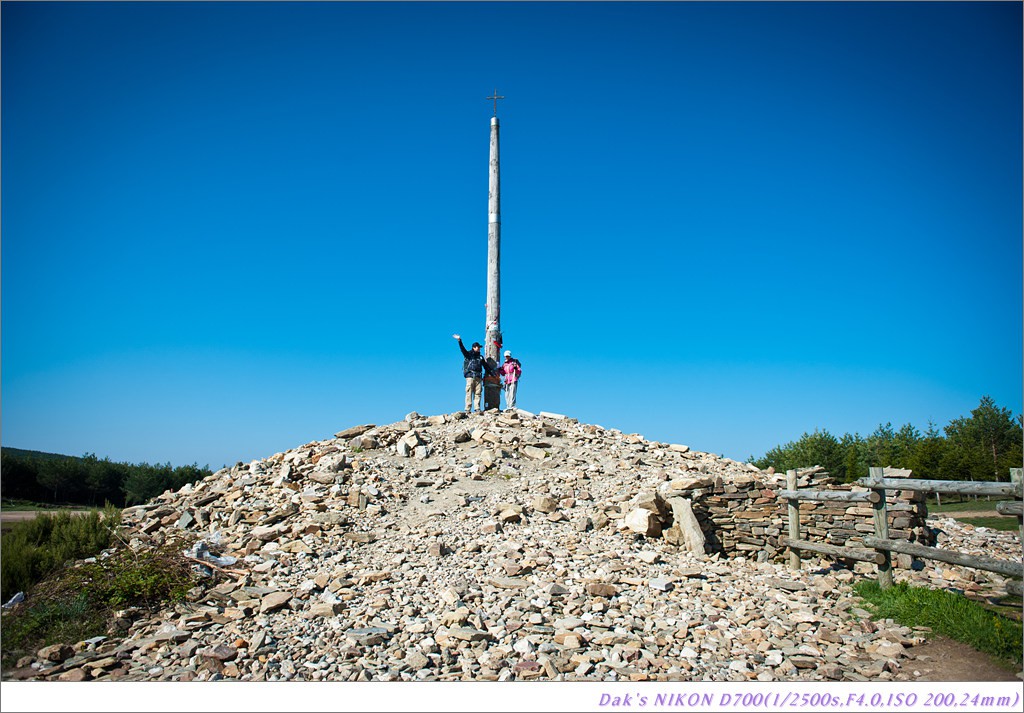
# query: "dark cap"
{"type": "Point", "coordinates": [477, 344]}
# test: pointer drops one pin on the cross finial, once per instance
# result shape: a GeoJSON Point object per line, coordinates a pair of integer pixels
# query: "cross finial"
{"type": "Point", "coordinates": [495, 97]}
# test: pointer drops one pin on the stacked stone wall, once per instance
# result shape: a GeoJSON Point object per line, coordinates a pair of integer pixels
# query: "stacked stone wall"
{"type": "Point", "coordinates": [744, 516]}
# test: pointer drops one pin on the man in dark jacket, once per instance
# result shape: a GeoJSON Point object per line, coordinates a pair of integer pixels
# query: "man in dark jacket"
{"type": "Point", "coordinates": [473, 368]}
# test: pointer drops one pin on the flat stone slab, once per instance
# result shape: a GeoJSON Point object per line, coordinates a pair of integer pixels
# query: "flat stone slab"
{"type": "Point", "coordinates": [273, 602]}
{"type": "Point", "coordinates": [465, 633]}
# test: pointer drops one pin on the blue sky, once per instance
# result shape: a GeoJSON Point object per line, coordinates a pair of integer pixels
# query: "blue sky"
{"type": "Point", "coordinates": [229, 228]}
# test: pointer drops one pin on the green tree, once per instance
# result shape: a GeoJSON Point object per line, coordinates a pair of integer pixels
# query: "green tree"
{"type": "Point", "coordinates": [64, 477]}
{"type": "Point", "coordinates": [19, 478]}
{"type": "Point", "coordinates": [853, 466]}
{"type": "Point", "coordinates": [905, 444]}
{"type": "Point", "coordinates": [986, 445]}
{"type": "Point", "coordinates": [187, 474]}
{"type": "Point", "coordinates": [818, 448]}
{"type": "Point", "coordinates": [104, 479]}
{"type": "Point", "coordinates": [926, 460]}
{"type": "Point", "coordinates": [880, 447]}
{"type": "Point", "coordinates": [143, 482]}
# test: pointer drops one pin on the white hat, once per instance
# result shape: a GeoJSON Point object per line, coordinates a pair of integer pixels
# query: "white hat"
{"type": "Point", "coordinates": [507, 353]}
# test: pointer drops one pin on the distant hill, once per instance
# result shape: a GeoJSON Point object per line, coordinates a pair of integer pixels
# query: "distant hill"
{"type": "Point", "coordinates": [22, 453]}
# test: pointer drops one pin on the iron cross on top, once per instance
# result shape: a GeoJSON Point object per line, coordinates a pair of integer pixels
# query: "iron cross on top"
{"type": "Point", "coordinates": [495, 97]}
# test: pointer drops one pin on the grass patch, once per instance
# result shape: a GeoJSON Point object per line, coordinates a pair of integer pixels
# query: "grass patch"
{"type": "Point", "coordinates": [12, 504]}
{"type": "Point", "coordinates": [994, 523]}
{"type": "Point", "coordinates": [79, 601]}
{"type": "Point", "coordinates": [961, 511]}
{"type": "Point", "coordinates": [965, 506]}
{"type": "Point", "coordinates": [16, 504]}
{"type": "Point", "coordinates": [946, 613]}
{"type": "Point", "coordinates": [49, 622]}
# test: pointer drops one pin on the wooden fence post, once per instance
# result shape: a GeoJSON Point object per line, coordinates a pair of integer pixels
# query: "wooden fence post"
{"type": "Point", "coordinates": [1016, 476]}
{"type": "Point", "coordinates": [881, 517]}
{"type": "Point", "coordinates": [794, 521]}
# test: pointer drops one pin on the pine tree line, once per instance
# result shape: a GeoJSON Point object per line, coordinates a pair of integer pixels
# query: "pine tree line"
{"type": "Point", "coordinates": [57, 479]}
{"type": "Point", "coordinates": [983, 446]}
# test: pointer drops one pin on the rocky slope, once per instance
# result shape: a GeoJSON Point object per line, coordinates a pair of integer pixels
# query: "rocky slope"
{"type": "Point", "coordinates": [504, 546]}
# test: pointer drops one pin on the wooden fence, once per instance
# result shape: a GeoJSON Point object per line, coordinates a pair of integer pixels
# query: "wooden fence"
{"type": "Point", "coordinates": [879, 548]}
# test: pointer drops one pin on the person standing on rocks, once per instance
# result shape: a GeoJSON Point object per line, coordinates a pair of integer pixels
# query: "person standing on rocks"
{"type": "Point", "coordinates": [510, 372]}
{"type": "Point", "coordinates": [473, 368]}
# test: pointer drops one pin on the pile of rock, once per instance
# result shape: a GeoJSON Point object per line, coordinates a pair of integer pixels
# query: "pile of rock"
{"type": "Point", "coordinates": [504, 546]}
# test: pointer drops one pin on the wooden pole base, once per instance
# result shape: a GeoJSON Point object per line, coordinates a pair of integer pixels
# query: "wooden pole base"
{"type": "Point", "coordinates": [492, 396]}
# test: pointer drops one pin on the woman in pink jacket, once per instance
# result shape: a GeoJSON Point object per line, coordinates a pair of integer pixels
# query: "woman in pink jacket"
{"type": "Point", "coordinates": [510, 372]}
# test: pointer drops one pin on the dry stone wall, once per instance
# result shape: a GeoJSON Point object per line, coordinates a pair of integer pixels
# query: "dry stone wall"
{"type": "Point", "coordinates": [744, 515]}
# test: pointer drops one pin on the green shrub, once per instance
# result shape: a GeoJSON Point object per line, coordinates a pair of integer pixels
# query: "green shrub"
{"type": "Point", "coordinates": [946, 613]}
{"type": "Point", "coordinates": [146, 579]}
{"type": "Point", "coordinates": [79, 601]}
{"type": "Point", "coordinates": [34, 548]}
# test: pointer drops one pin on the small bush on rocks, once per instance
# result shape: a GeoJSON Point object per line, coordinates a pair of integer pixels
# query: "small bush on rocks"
{"type": "Point", "coordinates": [34, 548]}
{"type": "Point", "coordinates": [80, 601]}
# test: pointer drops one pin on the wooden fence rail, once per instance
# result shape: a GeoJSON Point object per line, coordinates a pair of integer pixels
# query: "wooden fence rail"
{"type": "Point", "coordinates": [989, 564]}
{"type": "Point", "coordinates": [1010, 508]}
{"type": "Point", "coordinates": [853, 496]}
{"type": "Point", "coordinates": [837, 551]}
{"type": "Point", "coordinates": [878, 548]}
{"type": "Point", "coordinates": [964, 487]}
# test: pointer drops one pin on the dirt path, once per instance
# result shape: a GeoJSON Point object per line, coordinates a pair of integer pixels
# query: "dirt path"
{"type": "Point", "coordinates": [942, 659]}
{"type": "Point", "coordinates": [966, 514]}
{"type": "Point", "coordinates": [9, 516]}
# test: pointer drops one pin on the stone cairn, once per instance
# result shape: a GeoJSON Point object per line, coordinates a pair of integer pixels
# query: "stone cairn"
{"type": "Point", "coordinates": [502, 546]}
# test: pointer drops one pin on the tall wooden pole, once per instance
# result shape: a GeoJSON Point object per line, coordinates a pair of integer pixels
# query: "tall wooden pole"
{"type": "Point", "coordinates": [492, 330]}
